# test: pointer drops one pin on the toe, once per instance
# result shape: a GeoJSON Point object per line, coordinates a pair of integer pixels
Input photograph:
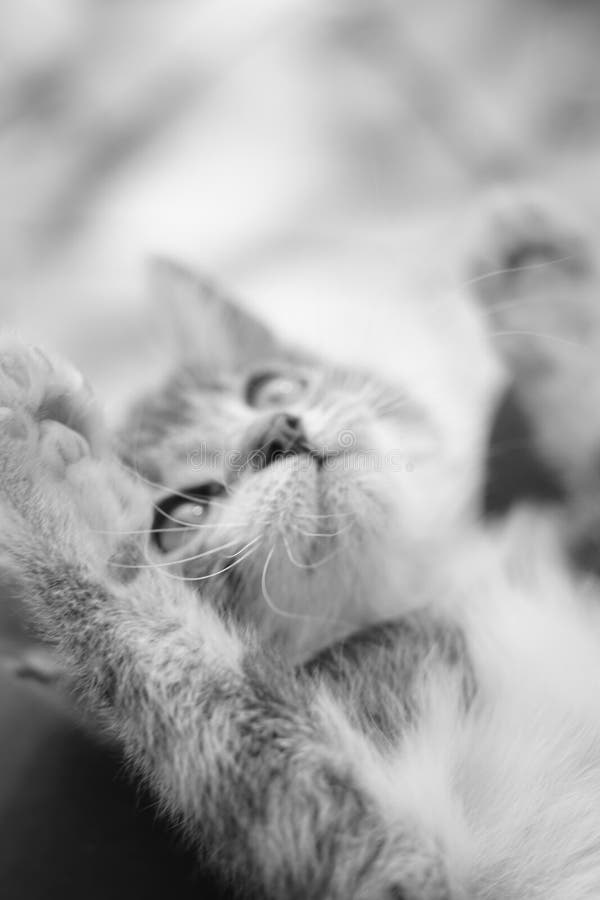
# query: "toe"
{"type": "Point", "coordinates": [60, 446]}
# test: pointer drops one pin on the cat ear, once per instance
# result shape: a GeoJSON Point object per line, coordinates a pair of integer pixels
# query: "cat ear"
{"type": "Point", "coordinates": [206, 325]}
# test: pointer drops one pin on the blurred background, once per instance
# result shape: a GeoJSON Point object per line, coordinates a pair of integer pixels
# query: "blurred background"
{"type": "Point", "coordinates": [322, 157]}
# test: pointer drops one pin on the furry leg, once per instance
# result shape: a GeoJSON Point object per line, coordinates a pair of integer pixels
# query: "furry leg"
{"type": "Point", "coordinates": [263, 770]}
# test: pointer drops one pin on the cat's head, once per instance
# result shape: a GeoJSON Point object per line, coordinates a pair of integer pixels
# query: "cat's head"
{"type": "Point", "coordinates": [297, 494]}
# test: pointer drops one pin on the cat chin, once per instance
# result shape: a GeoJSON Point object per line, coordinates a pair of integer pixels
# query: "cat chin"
{"type": "Point", "coordinates": [318, 553]}
{"type": "Point", "coordinates": [300, 493]}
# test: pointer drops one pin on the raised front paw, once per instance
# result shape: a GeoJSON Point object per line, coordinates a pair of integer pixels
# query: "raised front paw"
{"type": "Point", "coordinates": [526, 245]}
{"type": "Point", "coordinates": [537, 284]}
{"type": "Point", "coordinates": [49, 420]}
{"type": "Point", "coordinates": [58, 483]}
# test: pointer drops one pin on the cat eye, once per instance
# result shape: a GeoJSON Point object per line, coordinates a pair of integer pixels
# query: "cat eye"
{"type": "Point", "coordinates": [180, 511]}
{"type": "Point", "coordinates": [271, 390]}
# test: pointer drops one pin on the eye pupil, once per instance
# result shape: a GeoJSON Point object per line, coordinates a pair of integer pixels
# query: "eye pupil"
{"type": "Point", "coordinates": [198, 511]}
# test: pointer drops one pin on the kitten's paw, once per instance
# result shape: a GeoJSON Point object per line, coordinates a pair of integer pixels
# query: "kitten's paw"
{"type": "Point", "coordinates": [48, 417]}
{"type": "Point", "coordinates": [527, 246]}
{"type": "Point", "coordinates": [57, 482]}
{"type": "Point", "coordinates": [537, 284]}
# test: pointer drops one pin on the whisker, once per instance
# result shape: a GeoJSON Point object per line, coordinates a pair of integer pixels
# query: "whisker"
{"type": "Point", "coordinates": [459, 288]}
{"type": "Point", "coordinates": [325, 534]}
{"type": "Point", "coordinates": [306, 515]}
{"type": "Point", "coordinates": [552, 337]}
{"type": "Point", "coordinates": [192, 526]}
{"type": "Point", "coordinates": [546, 263]}
{"type": "Point", "coordinates": [490, 308]}
{"type": "Point", "coordinates": [315, 565]}
{"type": "Point", "coordinates": [286, 614]}
{"type": "Point", "coordinates": [267, 597]}
{"type": "Point", "coordinates": [212, 574]}
{"type": "Point", "coordinates": [173, 562]}
{"type": "Point", "coordinates": [139, 530]}
{"type": "Point", "coordinates": [241, 550]}
{"type": "Point", "coordinates": [171, 490]}
{"type": "Point", "coordinates": [199, 525]}
{"type": "Point", "coordinates": [168, 516]}
{"type": "Point", "coordinates": [161, 487]}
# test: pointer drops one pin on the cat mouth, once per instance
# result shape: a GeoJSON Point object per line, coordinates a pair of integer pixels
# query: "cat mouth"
{"type": "Point", "coordinates": [260, 461]}
{"type": "Point", "coordinates": [289, 442]}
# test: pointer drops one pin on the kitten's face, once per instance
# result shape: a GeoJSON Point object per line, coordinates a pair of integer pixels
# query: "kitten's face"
{"type": "Point", "coordinates": [291, 490]}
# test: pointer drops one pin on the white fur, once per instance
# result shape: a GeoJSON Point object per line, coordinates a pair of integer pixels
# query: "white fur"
{"type": "Point", "coordinates": [510, 791]}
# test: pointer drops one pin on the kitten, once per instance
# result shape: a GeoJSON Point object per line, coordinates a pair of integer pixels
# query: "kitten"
{"type": "Point", "coordinates": [319, 492]}
{"type": "Point", "coordinates": [449, 752]}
